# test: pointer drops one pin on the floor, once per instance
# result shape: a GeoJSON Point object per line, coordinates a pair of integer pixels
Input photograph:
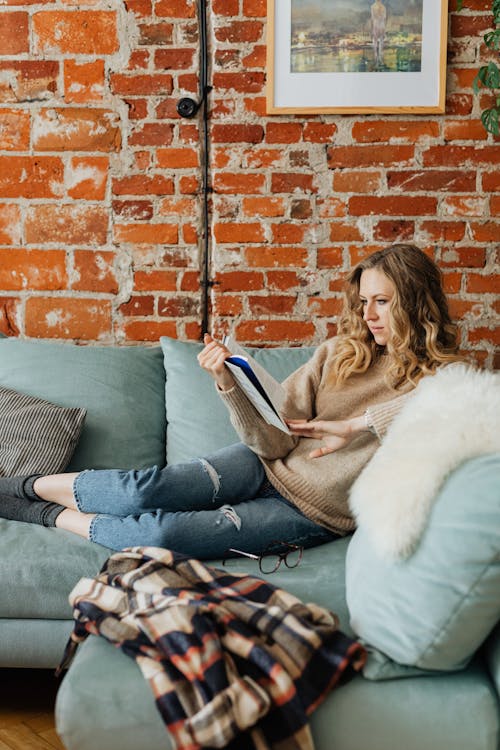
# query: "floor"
{"type": "Point", "coordinates": [27, 698]}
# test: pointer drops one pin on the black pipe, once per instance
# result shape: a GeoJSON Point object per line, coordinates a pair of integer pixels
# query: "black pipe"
{"type": "Point", "coordinates": [205, 89]}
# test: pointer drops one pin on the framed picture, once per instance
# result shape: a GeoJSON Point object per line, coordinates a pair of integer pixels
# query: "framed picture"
{"type": "Point", "coordinates": [356, 56]}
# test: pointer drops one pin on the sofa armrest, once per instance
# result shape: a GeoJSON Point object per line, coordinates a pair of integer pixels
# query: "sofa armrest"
{"type": "Point", "coordinates": [492, 654]}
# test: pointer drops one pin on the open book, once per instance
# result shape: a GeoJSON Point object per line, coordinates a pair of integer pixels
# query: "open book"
{"type": "Point", "coordinates": [265, 393]}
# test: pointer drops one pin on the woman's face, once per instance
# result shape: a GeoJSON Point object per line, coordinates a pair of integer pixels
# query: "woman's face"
{"type": "Point", "coordinates": [376, 292]}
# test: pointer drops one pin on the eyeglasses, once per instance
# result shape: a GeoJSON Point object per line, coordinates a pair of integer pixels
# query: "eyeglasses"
{"type": "Point", "coordinates": [270, 560]}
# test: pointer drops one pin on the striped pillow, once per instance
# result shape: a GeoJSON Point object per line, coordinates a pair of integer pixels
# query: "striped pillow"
{"type": "Point", "coordinates": [36, 437]}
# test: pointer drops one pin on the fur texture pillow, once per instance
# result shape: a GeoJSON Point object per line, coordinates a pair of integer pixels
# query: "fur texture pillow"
{"type": "Point", "coordinates": [453, 416]}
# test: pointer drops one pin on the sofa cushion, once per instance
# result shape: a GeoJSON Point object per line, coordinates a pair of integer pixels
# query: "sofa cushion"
{"type": "Point", "coordinates": [435, 608]}
{"type": "Point", "coordinates": [36, 435]}
{"type": "Point", "coordinates": [122, 389]}
{"type": "Point", "coordinates": [197, 421]}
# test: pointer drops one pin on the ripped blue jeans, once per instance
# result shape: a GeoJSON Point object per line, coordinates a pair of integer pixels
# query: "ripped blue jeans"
{"type": "Point", "coordinates": [200, 508]}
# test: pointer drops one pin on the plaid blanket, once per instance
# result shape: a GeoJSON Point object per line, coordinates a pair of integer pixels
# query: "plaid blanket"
{"type": "Point", "coordinates": [232, 660]}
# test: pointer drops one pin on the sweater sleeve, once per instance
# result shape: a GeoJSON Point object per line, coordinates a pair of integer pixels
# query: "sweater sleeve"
{"type": "Point", "coordinates": [381, 415]}
{"type": "Point", "coordinates": [301, 387]}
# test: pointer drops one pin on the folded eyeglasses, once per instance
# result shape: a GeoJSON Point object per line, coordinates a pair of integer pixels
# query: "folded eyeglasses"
{"type": "Point", "coordinates": [270, 559]}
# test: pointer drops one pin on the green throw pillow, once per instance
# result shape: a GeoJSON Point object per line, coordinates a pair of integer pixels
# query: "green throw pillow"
{"type": "Point", "coordinates": [434, 609]}
{"type": "Point", "coordinates": [121, 387]}
{"type": "Point", "coordinates": [197, 421]}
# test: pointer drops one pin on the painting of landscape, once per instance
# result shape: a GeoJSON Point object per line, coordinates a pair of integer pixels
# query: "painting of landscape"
{"type": "Point", "coordinates": [344, 36]}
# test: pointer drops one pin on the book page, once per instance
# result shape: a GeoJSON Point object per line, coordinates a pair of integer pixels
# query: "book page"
{"type": "Point", "coordinates": [265, 393]}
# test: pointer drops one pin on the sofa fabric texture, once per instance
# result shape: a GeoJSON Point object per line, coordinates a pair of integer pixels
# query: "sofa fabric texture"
{"type": "Point", "coordinates": [103, 702]}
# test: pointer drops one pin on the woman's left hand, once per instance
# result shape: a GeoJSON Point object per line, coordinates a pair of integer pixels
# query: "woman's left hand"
{"type": "Point", "coordinates": [335, 435]}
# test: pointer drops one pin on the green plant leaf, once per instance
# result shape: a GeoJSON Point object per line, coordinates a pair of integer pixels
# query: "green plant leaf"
{"type": "Point", "coordinates": [492, 39]}
{"type": "Point", "coordinates": [487, 75]}
{"type": "Point", "coordinates": [460, 5]}
{"type": "Point", "coordinates": [496, 11]}
{"type": "Point", "coordinates": [489, 118]}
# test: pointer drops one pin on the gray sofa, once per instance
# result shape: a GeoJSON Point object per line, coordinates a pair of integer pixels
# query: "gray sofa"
{"type": "Point", "coordinates": [148, 405]}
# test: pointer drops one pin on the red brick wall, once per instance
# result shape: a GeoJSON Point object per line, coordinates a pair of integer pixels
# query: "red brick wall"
{"type": "Point", "coordinates": [100, 212]}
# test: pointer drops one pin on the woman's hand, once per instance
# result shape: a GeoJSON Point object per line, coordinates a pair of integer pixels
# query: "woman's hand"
{"type": "Point", "coordinates": [335, 435]}
{"type": "Point", "coordinates": [212, 359]}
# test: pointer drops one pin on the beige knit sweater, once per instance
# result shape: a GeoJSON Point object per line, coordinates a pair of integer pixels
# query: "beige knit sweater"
{"type": "Point", "coordinates": [319, 486]}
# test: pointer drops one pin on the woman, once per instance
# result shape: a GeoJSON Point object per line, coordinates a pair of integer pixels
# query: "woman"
{"type": "Point", "coordinates": [394, 330]}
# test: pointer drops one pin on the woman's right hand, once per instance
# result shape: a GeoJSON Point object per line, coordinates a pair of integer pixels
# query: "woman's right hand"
{"type": "Point", "coordinates": [212, 359]}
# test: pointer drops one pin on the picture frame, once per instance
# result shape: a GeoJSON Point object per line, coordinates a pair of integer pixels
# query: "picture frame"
{"type": "Point", "coordinates": [361, 56]}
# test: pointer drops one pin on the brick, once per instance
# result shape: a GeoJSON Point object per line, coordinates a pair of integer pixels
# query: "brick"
{"type": "Point", "coordinates": [225, 7]}
{"type": "Point", "coordinates": [460, 156]}
{"type": "Point", "coordinates": [462, 78]}
{"type": "Point", "coordinates": [392, 205]}
{"type": "Point", "coordinates": [394, 231]}
{"type": "Point", "coordinates": [283, 280]}
{"type": "Point", "coordinates": [239, 32]}
{"type": "Point", "coordinates": [484, 334]}
{"type": "Point", "coordinates": [14, 130]}
{"type": "Point", "coordinates": [190, 281]}
{"type": "Point", "coordinates": [430, 180]}
{"type": "Point", "coordinates": [155, 280]}
{"type": "Point", "coordinates": [151, 134]}
{"type": "Point", "coordinates": [287, 233]}
{"type": "Point", "coordinates": [260, 158]}
{"type": "Point", "coordinates": [301, 209]}
{"type": "Point", "coordinates": [369, 156]}
{"type": "Point", "coordinates": [176, 8]}
{"type": "Point", "coordinates": [9, 308]}
{"type": "Point", "coordinates": [140, 8]}
{"type": "Point", "coordinates": [491, 181]}
{"type": "Point", "coordinates": [247, 82]}
{"type": "Point", "coordinates": [238, 232]}
{"type": "Point", "coordinates": [143, 185]}
{"type": "Point", "coordinates": [468, 25]}
{"type": "Point", "coordinates": [329, 257]}
{"type": "Point", "coordinates": [140, 210]}
{"type": "Point", "coordinates": [10, 224]}
{"type": "Point", "coordinates": [68, 318]}
{"type": "Point", "coordinates": [86, 177]}
{"type": "Point", "coordinates": [83, 82]}
{"type": "Point", "coordinates": [464, 130]}
{"type": "Point", "coordinates": [178, 307]}
{"type": "Point", "coordinates": [263, 206]}
{"type": "Point", "coordinates": [155, 33]}
{"type": "Point", "coordinates": [177, 158]}
{"type": "Point", "coordinates": [319, 132]}
{"type": "Point", "coordinates": [256, 8]}
{"type": "Point", "coordinates": [289, 182]}
{"type": "Point", "coordinates": [256, 58]}
{"type": "Point", "coordinates": [452, 282]}
{"type": "Point", "coordinates": [226, 304]}
{"type": "Point", "coordinates": [463, 257]}
{"type": "Point", "coordinates": [239, 281]}
{"type": "Point", "coordinates": [149, 330]}
{"type": "Point", "coordinates": [138, 305]}
{"type": "Point", "coordinates": [156, 234]}
{"type": "Point", "coordinates": [371, 131]}
{"type": "Point", "coordinates": [88, 32]}
{"type": "Point", "coordinates": [442, 231]}
{"type": "Point", "coordinates": [66, 224]}
{"type": "Point", "coordinates": [344, 232]}
{"type": "Point", "coordinates": [94, 271]}
{"type": "Point", "coordinates": [178, 207]}
{"type": "Point", "coordinates": [31, 177]}
{"type": "Point", "coordinates": [255, 105]}
{"type": "Point", "coordinates": [328, 307]}
{"type": "Point", "coordinates": [75, 129]}
{"type": "Point", "coordinates": [14, 39]}
{"type": "Point", "coordinates": [276, 257]}
{"type": "Point", "coordinates": [292, 331]}
{"type": "Point", "coordinates": [282, 305]}
{"type": "Point", "coordinates": [237, 133]}
{"type": "Point", "coordinates": [175, 59]}
{"type": "Point", "coordinates": [357, 181]}
{"type": "Point", "coordinates": [143, 84]}
{"type": "Point", "coordinates": [495, 205]}
{"type": "Point", "coordinates": [240, 183]}
{"type": "Point", "coordinates": [283, 132]}
{"type": "Point", "coordinates": [463, 205]}
{"type": "Point", "coordinates": [483, 284]}
{"type": "Point", "coordinates": [32, 269]}
{"type": "Point", "coordinates": [487, 231]}
{"type": "Point", "coordinates": [459, 103]}
{"type": "Point", "coordinates": [28, 80]}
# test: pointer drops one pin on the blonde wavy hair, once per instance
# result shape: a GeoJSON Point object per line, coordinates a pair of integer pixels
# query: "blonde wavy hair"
{"type": "Point", "coordinates": [422, 334]}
